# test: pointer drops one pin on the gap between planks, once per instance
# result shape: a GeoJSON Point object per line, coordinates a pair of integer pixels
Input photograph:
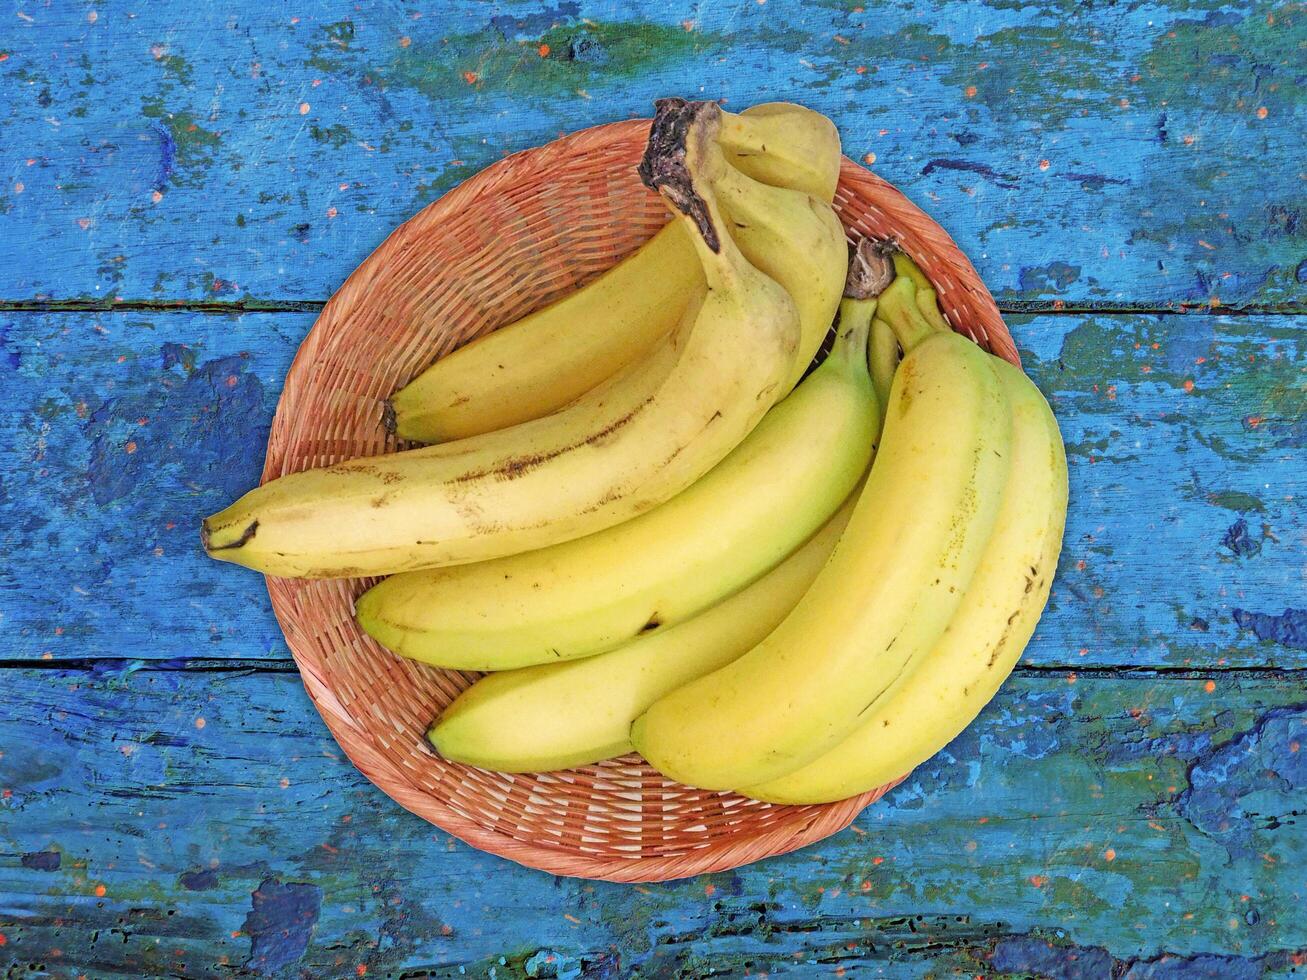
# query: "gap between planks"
{"type": "Point", "coordinates": [117, 665]}
{"type": "Point", "coordinates": [1009, 307]}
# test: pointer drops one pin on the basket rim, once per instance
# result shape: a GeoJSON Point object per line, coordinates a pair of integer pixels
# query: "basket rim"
{"type": "Point", "coordinates": [932, 243]}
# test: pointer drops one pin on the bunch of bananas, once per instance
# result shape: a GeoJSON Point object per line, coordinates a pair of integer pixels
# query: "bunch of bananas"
{"type": "Point", "coordinates": [656, 532]}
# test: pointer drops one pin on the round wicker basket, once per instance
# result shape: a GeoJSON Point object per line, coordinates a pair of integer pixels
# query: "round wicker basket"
{"type": "Point", "coordinates": [516, 236]}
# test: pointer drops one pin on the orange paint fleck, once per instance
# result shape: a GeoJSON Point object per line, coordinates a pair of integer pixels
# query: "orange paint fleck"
{"type": "Point", "coordinates": [1188, 386]}
{"type": "Point", "coordinates": [470, 77]}
{"type": "Point", "coordinates": [83, 223]}
{"type": "Point", "coordinates": [861, 69]}
{"type": "Point", "coordinates": [4, 56]}
{"type": "Point", "coordinates": [571, 918]}
{"type": "Point", "coordinates": [19, 187]}
{"type": "Point", "coordinates": [130, 447]}
{"type": "Point", "coordinates": [332, 212]}
{"type": "Point", "coordinates": [1188, 139]}
{"type": "Point", "coordinates": [284, 782]}
{"type": "Point", "coordinates": [1080, 565]}
{"type": "Point", "coordinates": [869, 159]}
{"type": "Point", "coordinates": [1039, 881]}
{"type": "Point", "coordinates": [1109, 855]}
{"type": "Point", "coordinates": [1262, 113]}
{"type": "Point", "coordinates": [232, 381]}
{"type": "Point", "coordinates": [866, 886]}
{"type": "Point", "coordinates": [1207, 245]}
{"type": "Point", "coordinates": [92, 17]}
{"type": "Point", "coordinates": [1209, 687]}
{"type": "Point", "coordinates": [200, 722]}
{"type": "Point", "coordinates": [543, 51]}
{"type": "Point", "coordinates": [304, 108]}
{"type": "Point", "coordinates": [687, 25]}
{"type": "Point", "coordinates": [1124, 103]}
{"type": "Point", "coordinates": [878, 860]}
{"type": "Point", "coordinates": [405, 41]}
{"type": "Point", "coordinates": [100, 891]}
{"type": "Point", "coordinates": [1043, 164]}
{"type": "Point", "coordinates": [361, 969]}
{"type": "Point", "coordinates": [4, 940]}
{"type": "Point", "coordinates": [709, 890]}
{"type": "Point", "coordinates": [1071, 677]}
{"type": "Point", "coordinates": [970, 91]}
{"type": "Point", "coordinates": [983, 820]}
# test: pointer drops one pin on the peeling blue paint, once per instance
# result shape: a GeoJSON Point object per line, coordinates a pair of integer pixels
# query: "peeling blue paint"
{"type": "Point", "coordinates": [280, 923]}
{"type": "Point", "coordinates": [1288, 628]}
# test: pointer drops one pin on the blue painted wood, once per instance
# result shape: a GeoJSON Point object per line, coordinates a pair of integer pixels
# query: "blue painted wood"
{"type": "Point", "coordinates": [1185, 437]}
{"type": "Point", "coordinates": [1076, 825]}
{"type": "Point", "coordinates": [1128, 153]}
{"type": "Point", "coordinates": [170, 804]}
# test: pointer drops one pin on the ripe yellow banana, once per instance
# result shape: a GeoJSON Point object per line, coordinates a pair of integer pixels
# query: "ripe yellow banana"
{"type": "Point", "coordinates": [982, 644]}
{"type": "Point", "coordinates": [615, 453]}
{"type": "Point", "coordinates": [591, 594]}
{"type": "Point", "coordinates": [795, 239]}
{"type": "Point", "coordinates": [883, 353]}
{"type": "Point", "coordinates": [888, 592]}
{"type": "Point", "coordinates": [538, 364]}
{"type": "Point", "coordinates": [555, 716]}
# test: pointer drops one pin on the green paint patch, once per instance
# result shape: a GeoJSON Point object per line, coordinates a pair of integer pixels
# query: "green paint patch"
{"type": "Point", "coordinates": [339, 38]}
{"type": "Point", "coordinates": [193, 144]}
{"type": "Point", "coordinates": [1236, 500]}
{"type": "Point", "coordinates": [177, 67]}
{"type": "Point", "coordinates": [335, 136]}
{"type": "Point", "coordinates": [465, 64]}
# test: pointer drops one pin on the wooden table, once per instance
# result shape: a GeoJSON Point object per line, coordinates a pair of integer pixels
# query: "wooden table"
{"type": "Point", "coordinates": [183, 185]}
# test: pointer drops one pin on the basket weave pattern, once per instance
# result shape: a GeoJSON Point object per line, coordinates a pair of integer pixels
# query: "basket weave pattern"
{"type": "Point", "coordinates": [519, 235]}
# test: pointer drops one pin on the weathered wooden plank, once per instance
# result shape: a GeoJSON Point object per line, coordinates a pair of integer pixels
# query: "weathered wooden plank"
{"type": "Point", "coordinates": [1185, 540]}
{"type": "Point", "coordinates": [166, 821]}
{"type": "Point", "coordinates": [1106, 154]}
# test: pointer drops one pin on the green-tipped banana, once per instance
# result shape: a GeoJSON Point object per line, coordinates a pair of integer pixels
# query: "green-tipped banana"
{"type": "Point", "coordinates": [982, 644]}
{"type": "Point", "coordinates": [888, 592]}
{"type": "Point", "coordinates": [549, 358]}
{"type": "Point", "coordinates": [927, 299]}
{"type": "Point", "coordinates": [617, 452]}
{"type": "Point", "coordinates": [555, 716]}
{"type": "Point", "coordinates": [883, 353]}
{"type": "Point", "coordinates": [594, 593]}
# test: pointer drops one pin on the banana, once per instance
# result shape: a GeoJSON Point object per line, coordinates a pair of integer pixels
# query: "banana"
{"type": "Point", "coordinates": [541, 362]}
{"type": "Point", "coordinates": [870, 271]}
{"type": "Point", "coordinates": [884, 599]}
{"type": "Point", "coordinates": [536, 365]}
{"type": "Point", "coordinates": [883, 353]}
{"type": "Point", "coordinates": [594, 593]}
{"type": "Point", "coordinates": [982, 644]}
{"type": "Point", "coordinates": [927, 299]}
{"type": "Point", "coordinates": [785, 145]}
{"type": "Point", "coordinates": [555, 716]}
{"type": "Point", "coordinates": [795, 239]}
{"type": "Point", "coordinates": [617, 452]}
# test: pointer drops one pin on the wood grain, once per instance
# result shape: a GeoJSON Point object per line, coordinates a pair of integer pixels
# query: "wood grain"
{"type": "Point", "coordinates": [1185, 438]}
{"type": "Point", "coordinates": [1130, 806]}
{"type": "Point", "coordinates": [1111, 155]}
{"type": "Point", "coordinates": [1098, 820]}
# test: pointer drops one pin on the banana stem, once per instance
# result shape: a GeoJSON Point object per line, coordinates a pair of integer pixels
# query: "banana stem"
{"type": "Point", "coordinates": [682, 162]}
{"type": "Point", "coordinates": [854, 328]}
{"type": "Point", "coordinates": [928, 304]}
{"type": "Point", "coordinates": [898, 308]}
{"type": "Point", "coordinates": [904, 266]}
{"type": "Point", "coordinates": [883, 354]}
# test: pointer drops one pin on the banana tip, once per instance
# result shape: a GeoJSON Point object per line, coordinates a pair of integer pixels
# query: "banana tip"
{"type": "Point", "coordinates": [207, 534]}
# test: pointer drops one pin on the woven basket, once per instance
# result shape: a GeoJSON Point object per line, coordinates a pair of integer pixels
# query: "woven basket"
{"type": "Point", "coordinates": [516, 236]}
